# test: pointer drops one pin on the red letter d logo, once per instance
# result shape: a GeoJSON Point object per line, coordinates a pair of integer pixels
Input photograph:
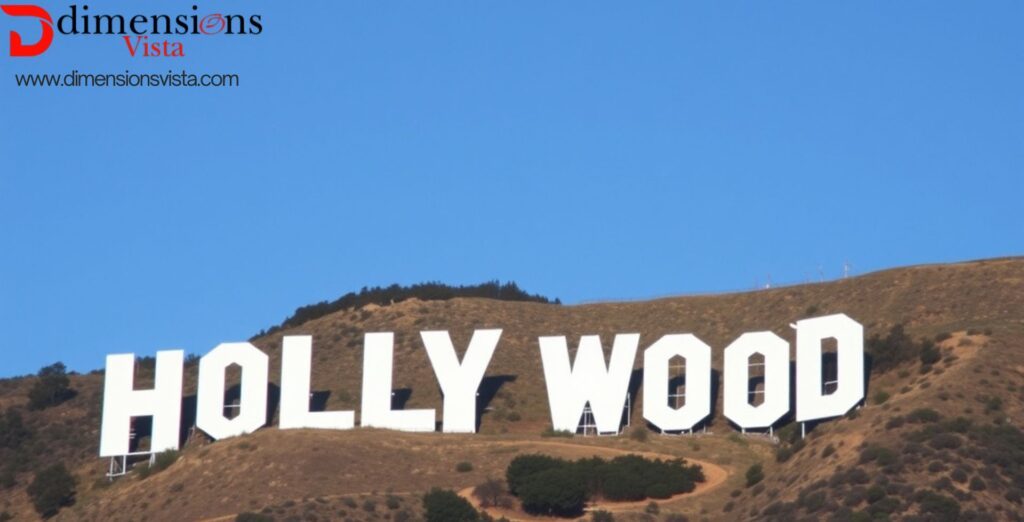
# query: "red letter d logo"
{"type": "Point", "coordinates": [17, 48]}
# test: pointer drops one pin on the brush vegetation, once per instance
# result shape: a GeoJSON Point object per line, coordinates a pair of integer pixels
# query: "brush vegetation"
{"type": "Point", "coordinates": [937, 437]}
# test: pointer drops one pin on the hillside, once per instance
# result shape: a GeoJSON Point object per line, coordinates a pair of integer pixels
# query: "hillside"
{"type": "Point", "coordinates": [901, 454]}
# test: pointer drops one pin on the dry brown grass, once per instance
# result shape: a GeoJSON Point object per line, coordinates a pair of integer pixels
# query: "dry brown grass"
{"type": "Point", "coordinates": [272, 467]}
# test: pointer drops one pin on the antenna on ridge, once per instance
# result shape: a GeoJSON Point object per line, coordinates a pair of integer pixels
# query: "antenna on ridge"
{"type": "Point", "coordinates": [846, 269]}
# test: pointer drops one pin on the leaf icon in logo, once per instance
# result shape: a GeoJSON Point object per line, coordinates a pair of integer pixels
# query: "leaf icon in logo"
{"type": "Point", "coordinates": [212, 24]}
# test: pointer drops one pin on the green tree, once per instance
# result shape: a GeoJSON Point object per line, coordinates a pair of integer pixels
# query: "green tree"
{"type": "Point", "coordinates": [929, 353]}
{"type": "Point", "coordinates": [51, 387]}
{"type": "Point", "coordinates": [547, 485]}
{"type": "Point", "coordinates": [12, 430]}
{"type": "Point", "coordinates": [523, 466]}
{"type": "Point", "coordinates": [52, 489]}
{"type": "Point", "coordinates": [894, 348]}
{"type": "Point", "coordinates": [443, 505]}
{"type": "Point", "coordinates": [556, 491]}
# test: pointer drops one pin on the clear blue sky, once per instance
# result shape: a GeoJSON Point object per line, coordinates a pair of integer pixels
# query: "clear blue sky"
{"type": "Point", "coordinates": [587, 150]}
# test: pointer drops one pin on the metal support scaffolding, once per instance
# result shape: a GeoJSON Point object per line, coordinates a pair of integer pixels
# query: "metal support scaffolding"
{"type": "Point", "coordinates": [588, 423]}
{"type": "Point", "coordinates": [677, 394]}
{"type": "Point", "coordinates": [753, 394]}
{"type": "Point", "coordinates": [118, 467]}
{"type": "Point", "coordinates": [588, 426]}
{"type": "Point", "coordinates": [119, 464]}
{"type": "Point", "coordinates": [676, 397]}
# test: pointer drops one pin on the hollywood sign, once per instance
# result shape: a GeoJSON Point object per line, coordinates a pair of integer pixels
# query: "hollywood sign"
{"type": "Point", "coordinates": [571, 386]}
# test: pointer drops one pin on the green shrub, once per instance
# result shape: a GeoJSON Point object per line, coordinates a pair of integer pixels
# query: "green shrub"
{"type": "Point", "coordinates": [557, 491]}
{"type": "Point", "coordinates": [855, 496]}
{"type": "Point", "coordinates": [755, 474]}
{"type": "Point", "coordinates": [164, 460]}
{"type": "Point", "coordinates": [675, 475]}
{"type": "Point", "coordinates": [602, 516]}
{"type": "Point", "coordinates": [551, 486]}
{"type": "Point", "coordinates": [930, 354]}
{"type": "Point", "coordinates": [51, 387]}
{"type": "Point", "coordinates": [875, 493]}
{"type": "Point", "coordinates": [464, 467]}
{"type": "Point", "coordinates": [856, 476]}
{"type": "Point", "coordinates": [652, 508]}
{"type": "Point", "coordinates": [789, 433]}
{"type": "Point", "coordinates": [523, 466]}
{"type": "Point", "coordinates": [894, 348]}
{"type": "Point", "coordinates": [383, 296]}
{"type": "Point", "coordinates": [923, 416]}
{"type": "Point", "coordinates": [161, 461]}
{"type": "Point", "coordinates": [51, 489]}
{"type": "Point", "coordinates": [885, 505]}
{"type": "Point", "coordinates": [895, 422]}
{"type": "Point", "coordinates": [556, 433]}
{"type": "Point", "coordinates": [13, 432]}
{"type": "Point", "coordinates": [945, 441]}
{"type": "Point", "coordinates": [783, 453]}
{"type": "Point", "coordinates": [621, 485]}
{"type": "Point", "coordinates": [658, 491]}
{"type": "Point", "coordinates": [992, 403]}
{"type": "Point", "coordinates": [880, 397]}
{"type": "Point", "coordinates": [812, 501]}
{"type": "Point", "coordinates": [443, 505]}
{"type": "Point", "coordinates": [959, 475]}
{"type": "Point", "coordinates": [882, 455]}
{"type": "Point", "coordinates": [937, 507]}
{"type": "Point", "coordinates": [1015, 496]}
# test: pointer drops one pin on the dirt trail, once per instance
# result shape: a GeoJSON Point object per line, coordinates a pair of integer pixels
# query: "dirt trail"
{"type": "Point", "coordinates": [714, 476]}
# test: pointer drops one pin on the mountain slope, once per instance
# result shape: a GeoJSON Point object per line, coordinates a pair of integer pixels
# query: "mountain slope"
{"type": "Point", "coordinates": [980, 377]}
